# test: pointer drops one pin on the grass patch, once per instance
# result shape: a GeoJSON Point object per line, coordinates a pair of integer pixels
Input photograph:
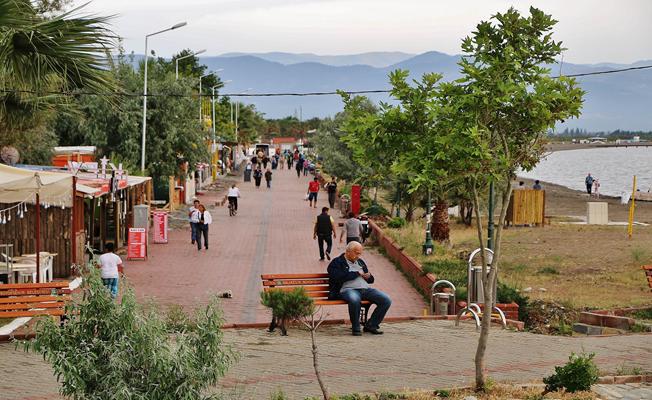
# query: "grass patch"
{"type": "Point", "coordinates": [643, 314]}
{"type": "Point", "coordinates": [548, 271]}
{"type": "Point", "coordinates": [5, 321]}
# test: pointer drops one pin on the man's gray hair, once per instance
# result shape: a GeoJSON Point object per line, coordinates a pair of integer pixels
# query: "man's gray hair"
{"type": "Point", "coordinates": [352, 245]}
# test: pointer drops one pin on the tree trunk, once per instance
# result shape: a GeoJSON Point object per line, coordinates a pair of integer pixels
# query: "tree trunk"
{"type": "Point", "coordinates": [440, 230]}
{"type": "Point", "coordinates": [488, 282]}
{"type": "Point", "coordinates": [480, 380]}
{"type": "Point", "coordinates": [466, 212]}
{"type": "Point", "coordinates": [315, 361]}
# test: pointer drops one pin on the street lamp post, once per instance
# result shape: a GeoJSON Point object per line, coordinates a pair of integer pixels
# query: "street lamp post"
{"type": "Point", "coordinates": [142, 156]}
{"type": "Point", "coordinates": [237, 113]}
{"type": "Point", "coordinates": [176, 62]}
{"type": "Point", "coordinates": [200, 97]}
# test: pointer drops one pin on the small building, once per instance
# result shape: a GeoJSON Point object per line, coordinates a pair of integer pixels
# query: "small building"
{"type": "Point", "coordinates": [284, 143]}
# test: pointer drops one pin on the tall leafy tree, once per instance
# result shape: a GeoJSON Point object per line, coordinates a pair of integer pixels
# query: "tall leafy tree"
{"type": "Point", "coordinates": [40, 57]}
{"type": "Point", "coordinates": [497, 117]}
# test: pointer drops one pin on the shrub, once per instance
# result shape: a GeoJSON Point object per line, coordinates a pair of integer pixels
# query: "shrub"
{"type": "Point", "coordinates": [548, 271]}
{"type": "Point", "coordinates": [108, 349]}
{"type": "Point", "coordinates": [396, 223]}
{"type": "Point", "coordinates": [577, 375]}
{"type": "Point", "coordinates": [376, 209]}
{"type": "Point", "coordinates": [509, 294]}
{"type": "Point", "coordinates": [288, 305]}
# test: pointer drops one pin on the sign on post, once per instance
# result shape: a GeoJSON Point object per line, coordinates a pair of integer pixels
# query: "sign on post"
{"type": "Point", "coordinates": [160, 226]}
{"type": "Point", "coordinates": [137, 244]}
{"type": "Point", "coordinates": [355, 199]}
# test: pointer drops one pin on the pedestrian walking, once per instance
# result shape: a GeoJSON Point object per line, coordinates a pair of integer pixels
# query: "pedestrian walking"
{"type": "Point", "coordinates": [352, 229]}
{"type": "Point", "coordinates": [233, 195]}
{"type": "Point", "coordinates": [324, 232]}
{"type": "Point", "coordinates": [268, 178]}
{"type": "Point", "coordinates": [193, 228]}
{"type": "Point", "coordinates": [313, 191]}
{"type": "Point", "coordinates": [589, 183]}
{"type": "Point", "coordinates": [290, 161]}
{"type": "Point", "coordinates": [110, 268]}
{"type": "Point", "coordinates": [306, 166]}
{"type": "Point", "coordinates": [203, 220]}
{"type": "Point", "coordinates": [596, 188]}
{"type": "Point", "coordinates": [265, 161]}
{"type": "Point", "coordinates": [298, 167]}
{"type": "Point", "coordinates": [282, 161]}
{"type": "Point", "coordinates": [331, 188]}
{"type": "Point", "coordinates": [258, 175]}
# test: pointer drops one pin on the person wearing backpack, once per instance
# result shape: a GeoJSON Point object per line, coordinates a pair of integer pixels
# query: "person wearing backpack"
{"type": "Point", "coordinates": [258, 176]}
{"type": "Point", "coordinates": [268, 178]}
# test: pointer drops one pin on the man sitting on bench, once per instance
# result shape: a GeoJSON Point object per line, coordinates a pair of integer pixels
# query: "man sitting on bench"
{"type": "Point", "coordinates": [349, 280]}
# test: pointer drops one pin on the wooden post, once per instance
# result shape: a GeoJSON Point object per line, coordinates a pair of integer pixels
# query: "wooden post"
{"type": "Point", "coordinates": [73, 219]}
{"type": "Point", "coordinates": [38, 238]}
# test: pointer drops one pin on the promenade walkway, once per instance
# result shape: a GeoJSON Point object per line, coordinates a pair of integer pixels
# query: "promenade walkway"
{"type": "Point", "coordinates": [272, 233]}
{"type": "Point", "coordinates": [416, 355]}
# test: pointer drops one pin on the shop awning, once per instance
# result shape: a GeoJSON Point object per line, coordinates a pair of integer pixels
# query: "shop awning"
{"type": "Point", "coordinates": [17, 185]}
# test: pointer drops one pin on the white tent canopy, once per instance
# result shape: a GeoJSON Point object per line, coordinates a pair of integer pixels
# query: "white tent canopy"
{"type": "Point", "coordinates": [17, 185]}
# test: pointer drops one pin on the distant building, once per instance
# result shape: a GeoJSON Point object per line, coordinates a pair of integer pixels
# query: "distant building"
{"type": "Point", "coordinates": [284, 143]}
{"type": "Point", "coordinates": [597, 140]}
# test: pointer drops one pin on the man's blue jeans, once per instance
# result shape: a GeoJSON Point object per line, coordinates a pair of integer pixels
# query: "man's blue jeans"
{"type": "Point", "coordinates": [354, 296]}
{"type": "Point", "coordinates": [193, 232]}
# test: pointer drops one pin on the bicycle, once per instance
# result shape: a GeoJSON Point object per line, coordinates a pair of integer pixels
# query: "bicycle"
{"type": "Point", "coordinates": [232, 210]}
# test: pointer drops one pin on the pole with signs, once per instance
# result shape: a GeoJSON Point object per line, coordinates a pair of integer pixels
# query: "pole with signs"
{"type": "Point", "coordinates": [630, 224]}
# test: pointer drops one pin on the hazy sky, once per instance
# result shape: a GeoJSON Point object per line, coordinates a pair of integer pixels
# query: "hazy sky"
{"type": "Point", "coordinates": [592, 30]}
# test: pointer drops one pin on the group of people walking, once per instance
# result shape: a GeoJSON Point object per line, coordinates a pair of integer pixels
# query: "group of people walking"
{"type": "Point", "coordinates": [199, 219]}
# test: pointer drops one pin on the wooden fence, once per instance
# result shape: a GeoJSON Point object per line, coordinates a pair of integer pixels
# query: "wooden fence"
{"type": "Point", "coordinates": [526, 207]}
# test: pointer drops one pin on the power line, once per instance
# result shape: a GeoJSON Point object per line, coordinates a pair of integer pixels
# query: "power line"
{"type": "Point", "coordinates": [281, 94]}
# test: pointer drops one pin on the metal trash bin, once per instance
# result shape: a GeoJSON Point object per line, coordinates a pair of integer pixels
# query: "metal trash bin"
{"type": "Point", "coordinates": [345, 205]}
{"type": "Point", "coordinates": [442, 303]}
{"type": "Point", "coordinates": [247, 175]}
{"type": "Point", "coordinates": [474, 283]}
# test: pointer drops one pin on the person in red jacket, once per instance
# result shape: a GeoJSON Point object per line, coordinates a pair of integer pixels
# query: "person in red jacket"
{"type": "Point", "coordinates": [313, 190]}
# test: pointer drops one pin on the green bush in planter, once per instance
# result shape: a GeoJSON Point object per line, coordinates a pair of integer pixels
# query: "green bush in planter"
{"type": "Point", "coordinates": [376, 209]}
{"type": "Point", "coordinates": [396, 223]}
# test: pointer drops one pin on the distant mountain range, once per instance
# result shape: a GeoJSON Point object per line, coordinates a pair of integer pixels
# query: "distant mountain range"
{"type": "Point", "coordinates": [613, 101]}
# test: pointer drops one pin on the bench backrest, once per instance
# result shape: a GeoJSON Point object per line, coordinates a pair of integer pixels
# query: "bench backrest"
{"type": "Point", "coordinates": [316, 285]}
{"type": "Point", "coordinates": [648, 274]}
{"type": "Point", "coordinates": [32, 299]}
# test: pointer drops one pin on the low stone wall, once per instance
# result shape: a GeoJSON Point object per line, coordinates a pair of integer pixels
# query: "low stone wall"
{"type": "Point", "coordinates": [414, 271]}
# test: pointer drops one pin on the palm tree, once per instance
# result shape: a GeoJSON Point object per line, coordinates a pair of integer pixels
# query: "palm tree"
{"type": "Point", "coordinates": [43, 57]}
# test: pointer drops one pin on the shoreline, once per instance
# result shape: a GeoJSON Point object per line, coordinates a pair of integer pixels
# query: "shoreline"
{"type": "Point", "coordinates": [565, 202]}
{"type": "Point", "coordinates": [552, 147]}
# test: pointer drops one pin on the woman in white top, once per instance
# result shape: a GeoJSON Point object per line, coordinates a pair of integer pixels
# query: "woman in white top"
{"type": "Point", "coordinates": [233, 195]}
{"type": "Point", "coordinates": [202, 218]}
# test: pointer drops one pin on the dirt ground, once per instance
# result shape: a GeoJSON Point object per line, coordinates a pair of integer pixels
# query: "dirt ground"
{"type": "Point", "coordinates": [579, 265]}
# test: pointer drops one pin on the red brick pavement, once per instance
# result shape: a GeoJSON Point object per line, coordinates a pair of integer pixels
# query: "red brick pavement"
{"type": "Point", "coordinates": [272, 233]}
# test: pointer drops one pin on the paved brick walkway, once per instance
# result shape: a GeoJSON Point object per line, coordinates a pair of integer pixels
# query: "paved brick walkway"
{"type": "Point", "coordinates": [272, 233]}
{"type": "Point", "coordinates": [417, 355]}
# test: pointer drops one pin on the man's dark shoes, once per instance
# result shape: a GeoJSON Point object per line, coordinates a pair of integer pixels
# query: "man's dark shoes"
{"type": "Point", "coordinates": [373, 331]}
{"type": "Point", "coordinates": [328, 255]}
{"type": "Point", "coordinates": [356, 333]}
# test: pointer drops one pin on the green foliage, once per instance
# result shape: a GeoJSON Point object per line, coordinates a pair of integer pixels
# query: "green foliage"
{"type": "Point", "coordinates": [643, 314]}
{"type": "Point", "coordinates": [639, 255]}
{"type": "Point", "coordinates": [396, 222]}
{"type": "Point", "coordinates": [577, 375]}
{"type": "Point", "coordinates": [548, 271]}
{"type": "Point", "coordinates": [376, 209]}
{"type": "Point", "coordinates": [41, 56]}
{"type": "Point", "coordinates": [277, 395]}
{"type": "Point", "coordinates": [508, 294]}
{"type": "Point", "coordinates": [628, 370]}
{"type": "Point", "coordinates": [443, 393]}
{"type": "Point", "coordinates": [123, 350]}
{"type": "Point", "coordinates": [288, 304]}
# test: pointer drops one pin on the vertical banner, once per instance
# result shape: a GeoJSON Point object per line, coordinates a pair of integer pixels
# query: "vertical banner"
{"type": "Point", "coordinates": [160, 226]}
{"type": "Point", "coordinates": [137, 244]}
{"type": "Point", "coordinates": [355, 199]}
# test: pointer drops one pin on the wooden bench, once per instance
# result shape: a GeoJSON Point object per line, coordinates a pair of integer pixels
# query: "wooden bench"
{"type": "Point", "coordinates": [648, 274]}
{"type": "Point", "coordinates": [316, 286]}
{"type": "Point", "coordinates": [34, 299]}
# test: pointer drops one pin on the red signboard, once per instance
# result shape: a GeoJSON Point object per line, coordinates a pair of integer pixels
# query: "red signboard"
{"type": "Point", "coordinates": [137, 244]}
{"type": "Point", "coordinates": [355, 199]}
{"type": "Point", "coordinates": [160, 226]}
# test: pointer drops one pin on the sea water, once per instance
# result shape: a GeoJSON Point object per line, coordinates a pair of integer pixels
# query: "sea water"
{"type": "Point", "coordinates": [613, 166]}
